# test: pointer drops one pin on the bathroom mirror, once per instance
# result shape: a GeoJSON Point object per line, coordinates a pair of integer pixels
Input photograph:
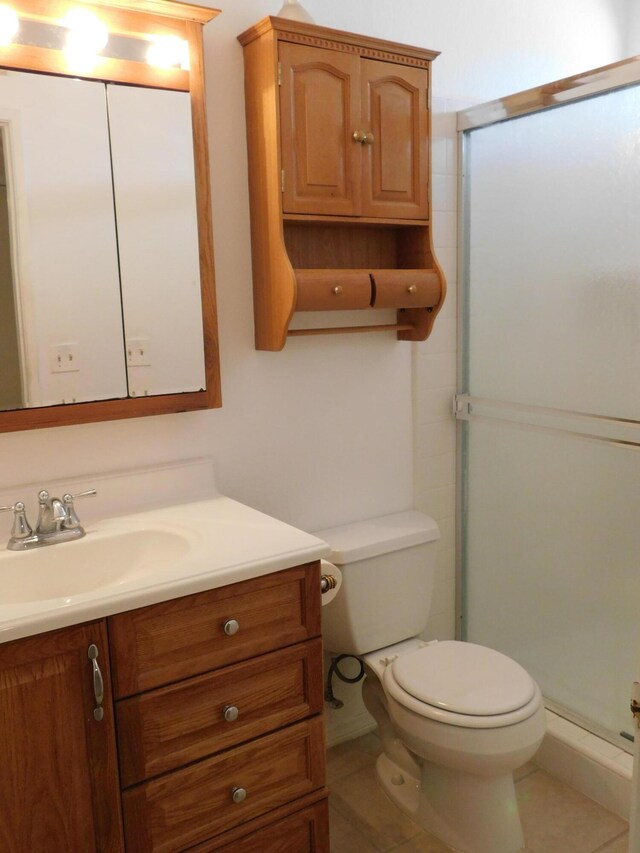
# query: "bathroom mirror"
{"type": "Point", "coordinates": [107, 305]}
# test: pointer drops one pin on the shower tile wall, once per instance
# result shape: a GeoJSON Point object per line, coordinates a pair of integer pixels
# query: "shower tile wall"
{"type": "Point", "coordinates": [435, 375]}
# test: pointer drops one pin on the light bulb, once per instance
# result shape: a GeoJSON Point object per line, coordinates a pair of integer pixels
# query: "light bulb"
{"type": "Point", "coordinates": [168, 52]}
{"type": "Point", "coordinates": [87, 36]}
{"type": "Point", "coordinates": [9, 25]}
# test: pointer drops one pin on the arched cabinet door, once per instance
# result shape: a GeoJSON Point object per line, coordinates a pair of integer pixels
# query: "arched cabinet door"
{"type": "Point", "coordinates": [395, 161]}
{"type": "Point", "coordinates": [319, 113]}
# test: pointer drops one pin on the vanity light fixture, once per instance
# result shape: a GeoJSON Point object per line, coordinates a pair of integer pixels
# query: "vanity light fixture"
{"type": "Point", "coordinates": [9, 25]}
{"type": "Point", "coordinates": [86, 37]}
{"type": "Point", "coordinates": [168, 52]}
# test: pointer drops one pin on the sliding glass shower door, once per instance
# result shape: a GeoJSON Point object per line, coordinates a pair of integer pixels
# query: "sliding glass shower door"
{"type": "Point", "coordinates": [551, 398]}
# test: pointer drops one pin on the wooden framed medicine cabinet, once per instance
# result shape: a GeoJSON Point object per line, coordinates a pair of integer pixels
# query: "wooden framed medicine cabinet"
{"type": "Point", "coordinates": [124, 64]}
{"type": "Point", "coordinates": [338, 134]}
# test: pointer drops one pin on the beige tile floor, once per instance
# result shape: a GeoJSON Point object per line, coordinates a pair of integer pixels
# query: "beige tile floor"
{"type": "Point", "coordinates": [555, 818]}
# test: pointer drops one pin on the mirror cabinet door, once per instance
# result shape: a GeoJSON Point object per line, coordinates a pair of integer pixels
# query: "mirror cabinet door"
{"type": "Point", "coordinates": [96, 307]}
{"type": "Point", "coordinates": [155, 200]}
{"type": "Point", "coordinates": [61, 241]}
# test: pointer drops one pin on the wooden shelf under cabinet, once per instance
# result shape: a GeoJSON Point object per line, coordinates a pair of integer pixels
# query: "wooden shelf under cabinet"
{"type": "Point", "coordinates": [338, 130]}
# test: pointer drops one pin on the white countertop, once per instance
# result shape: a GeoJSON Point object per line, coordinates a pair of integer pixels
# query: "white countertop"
{"type": "Point", "coordinates": [210, 543]}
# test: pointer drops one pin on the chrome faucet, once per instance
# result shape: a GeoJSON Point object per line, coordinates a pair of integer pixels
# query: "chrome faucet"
{"type": "Point", "coordinates": [57, 522]}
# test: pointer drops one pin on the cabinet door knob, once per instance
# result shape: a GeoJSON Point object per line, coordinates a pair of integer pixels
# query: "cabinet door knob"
{"type": "Point", "coordinates": [369, 138]}
{"type": "Point", "coordinates": [359, 135]}
{"type": "Point", "coordinates": [337, 289]}
{"type": "Point", "coordinates": [238, 795]}
{"type": "Point", "coordinates": [230, 713]}
{"type": "Point", "coordinates": [231, 627]}
{"type": "Point", "coordinates": [412, 288]}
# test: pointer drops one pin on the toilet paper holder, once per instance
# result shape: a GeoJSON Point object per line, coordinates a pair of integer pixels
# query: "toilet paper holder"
{"type": "Point", "coordinates": [330, 581]}
{"type": "Point", "coordinates": [327, 582]}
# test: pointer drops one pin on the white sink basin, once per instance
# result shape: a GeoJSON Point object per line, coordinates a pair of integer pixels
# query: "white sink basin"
{"type": "Point", "coordinates": [70, 569]}
{"type": "Point", "coordinates": [144, 558]}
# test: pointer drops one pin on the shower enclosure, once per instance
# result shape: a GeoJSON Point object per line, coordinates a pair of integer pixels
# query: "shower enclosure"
{"type": "Point", "coordinates": [550, 389]}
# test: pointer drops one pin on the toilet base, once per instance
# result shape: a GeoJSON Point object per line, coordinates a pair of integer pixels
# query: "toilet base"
{"type": "Point", "coordinates": [471, 814]}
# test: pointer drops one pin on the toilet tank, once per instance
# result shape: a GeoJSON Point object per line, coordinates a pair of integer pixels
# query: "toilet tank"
{"type": "Point", "coordinates": [388, 567]}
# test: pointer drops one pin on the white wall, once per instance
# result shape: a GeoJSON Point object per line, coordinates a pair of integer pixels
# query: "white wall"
{"type": "Point", "coordinates": [322, 433]}
{"type": "Point", "coordinates": [633, 28]}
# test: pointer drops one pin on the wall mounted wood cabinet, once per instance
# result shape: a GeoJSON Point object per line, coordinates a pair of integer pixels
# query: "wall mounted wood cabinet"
{"type": "Point", "coordinates": [338, 133]}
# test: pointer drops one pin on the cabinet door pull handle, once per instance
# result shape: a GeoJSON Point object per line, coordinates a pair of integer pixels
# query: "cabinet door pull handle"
{"type": "Point", "coordinates": [230, 713]}
{"type": "Point", "coordinates": [238, 795]}
{"type": "Point", "coordinates": [337, 290]}
{"type": "Point", "coordinates": [368, 139]}
{"type": "Point", "coordinates": [231, 627]}
{"type": "Point", "coordinates": [358, 136]}
{"type": "Point", "coordinates": [412, 288]}
{"type": "Point", "coordinates": [98, 683]}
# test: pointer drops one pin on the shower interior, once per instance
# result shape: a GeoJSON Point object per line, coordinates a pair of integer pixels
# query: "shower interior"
{"type": "Point", "coordinates": [549, 389]}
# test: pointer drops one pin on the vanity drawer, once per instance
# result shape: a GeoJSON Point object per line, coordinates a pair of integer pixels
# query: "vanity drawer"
{"type": "Point", "coordinates": [305, 831]}
{"type": "Point", "coordinates": [406, 288]}
{"type": "Point", "coordinates": [182, 723]}
{"type": "Point", "coordinates": [332, 290]}
{"type": "Point", "coordinates": [195, 803]}
{"type": "Point", "coordinates": [177, 639]}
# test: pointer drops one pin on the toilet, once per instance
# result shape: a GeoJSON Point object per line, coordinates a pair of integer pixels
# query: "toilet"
{"type": "Point", "coordinates": [455, 718]}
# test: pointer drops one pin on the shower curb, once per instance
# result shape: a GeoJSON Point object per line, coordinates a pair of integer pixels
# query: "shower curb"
{"type": "Point", "coordinates": [587, 763]}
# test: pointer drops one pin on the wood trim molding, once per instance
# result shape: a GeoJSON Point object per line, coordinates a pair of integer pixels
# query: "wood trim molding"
{"type": "Point", "coordinates": [371, 53]}
{"type": "Point", "coordinates": [125, 17]}
{"type": "Point", "coordinates": [312, 34]}
{"type": "Point", "coordinates": [205, 222]}
{"type": "Point", "coordinates": [170, 8]}
{"type": "Point", "coordinates": [49, 61]}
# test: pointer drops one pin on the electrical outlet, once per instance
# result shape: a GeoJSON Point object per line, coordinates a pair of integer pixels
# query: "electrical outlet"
{"type": "Point", "coordinates": [64, 358]}
{"type": "Point", "coordinates": [138, 352]}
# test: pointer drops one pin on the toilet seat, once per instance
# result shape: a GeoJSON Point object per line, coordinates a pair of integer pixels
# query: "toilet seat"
{"type": "Point", "coordinates": [462, 684]}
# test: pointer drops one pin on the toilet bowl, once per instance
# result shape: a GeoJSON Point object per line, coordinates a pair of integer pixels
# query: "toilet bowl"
{"type": "Point", "coordinates": [460, 745]}
{"type": "Point", "coordinates": [455, 718]}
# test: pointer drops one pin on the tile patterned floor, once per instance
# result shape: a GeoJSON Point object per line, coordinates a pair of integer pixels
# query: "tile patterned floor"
{"type": "Point", "coordinates": [555, 818]}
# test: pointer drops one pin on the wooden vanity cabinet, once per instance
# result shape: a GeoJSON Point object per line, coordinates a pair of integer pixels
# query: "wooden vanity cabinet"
{"type": "Point", "coordinates": [218, 712]}
{"type": "Point", "coordinates": [218, 705]}
{"type": "Point", "coordinates": [59, 788]}
{"type": "Point", "coordinates": [338, 136]}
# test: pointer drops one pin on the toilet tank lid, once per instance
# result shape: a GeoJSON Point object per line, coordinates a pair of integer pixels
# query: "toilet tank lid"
{"type": "Point", "coordinates": [375, 536]}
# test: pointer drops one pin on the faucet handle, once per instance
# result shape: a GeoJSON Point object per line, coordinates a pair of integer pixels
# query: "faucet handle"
{"type": "Point", "coordinates": [90, 493]}
{"type": "Point", "coordinates": [72, 519]}
{"type": "Point", "coordinates": [21, 527]}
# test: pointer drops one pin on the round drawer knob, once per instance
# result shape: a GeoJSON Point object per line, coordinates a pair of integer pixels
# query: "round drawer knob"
{"type": "Point", "coordinates": [412, 288]}
{"type": "Point", "coordinates": [239, 795]}
{"type": "Point", "coordinates": [231, 627]}
{"type": "Point", "coordinates": [337, 289]}
{"type": "Point", "coordinates": [230, 713]}
{"type": "Point", "coordinates": [358, 136]}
